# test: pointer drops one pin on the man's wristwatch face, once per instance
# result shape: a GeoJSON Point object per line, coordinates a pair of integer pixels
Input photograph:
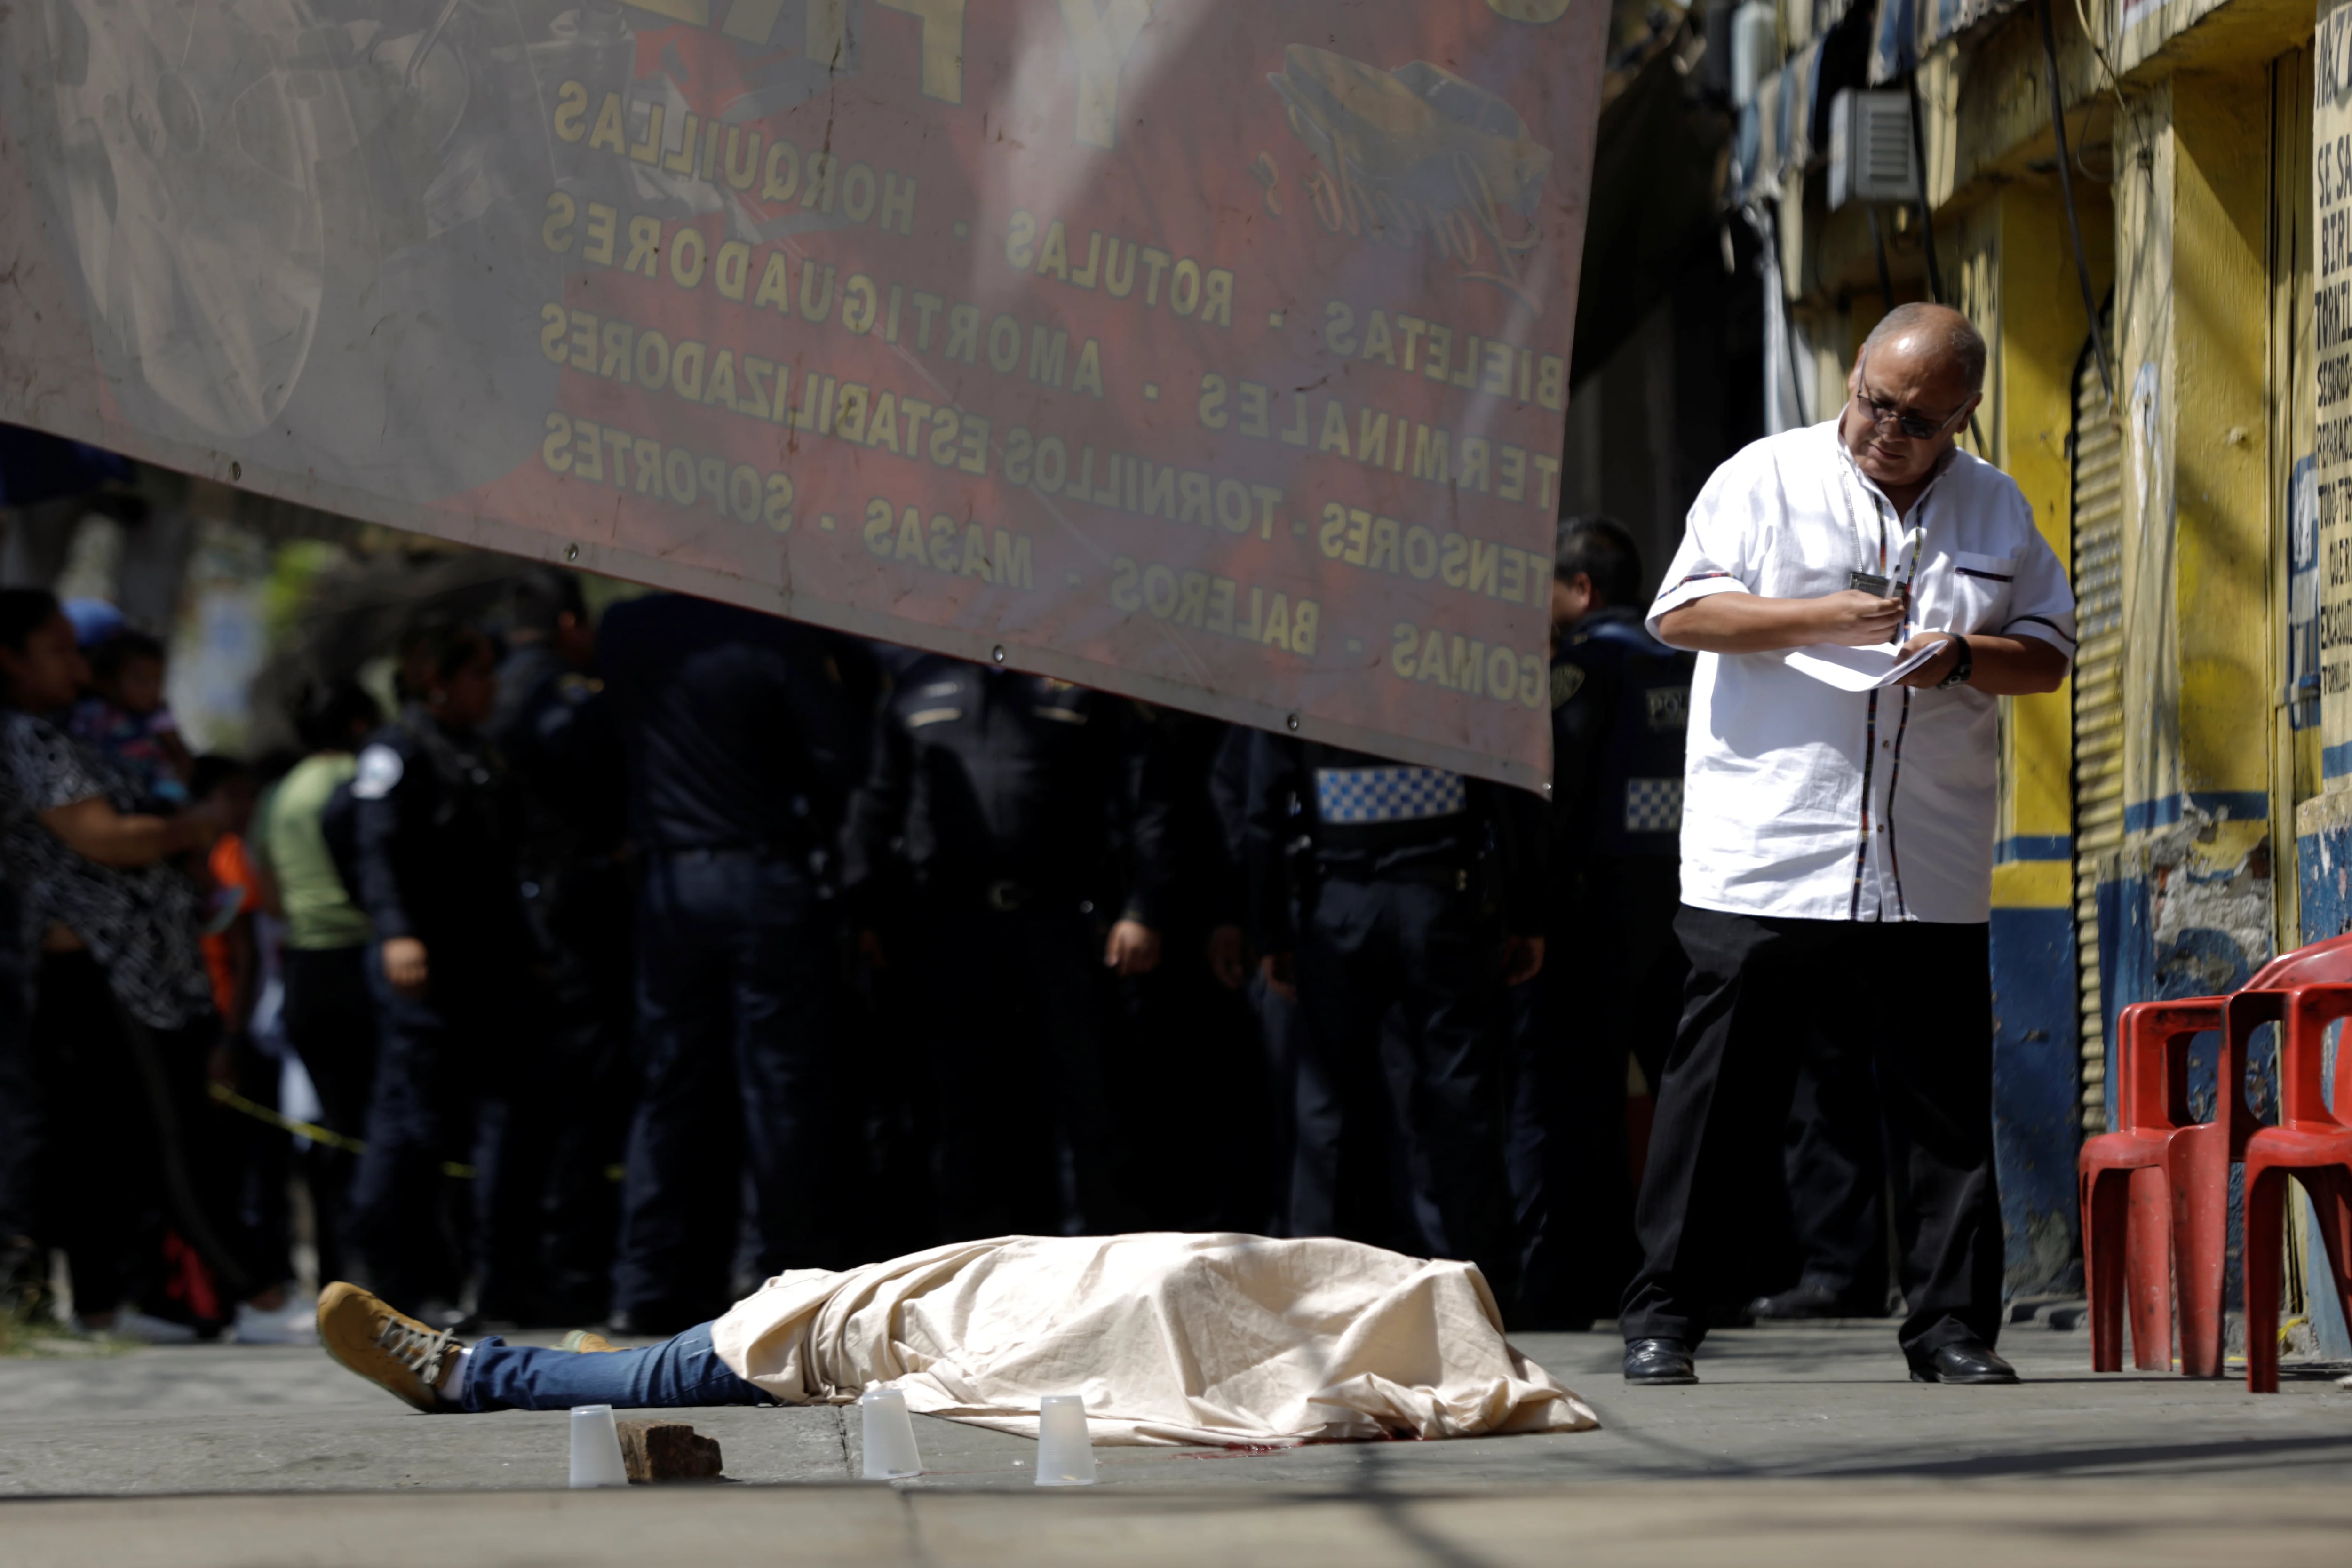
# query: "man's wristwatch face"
{"type": "Point", "coordinates": [1961, 670]}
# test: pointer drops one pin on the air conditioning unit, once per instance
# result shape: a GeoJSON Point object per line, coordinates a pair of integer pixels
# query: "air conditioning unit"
{"type": "Point", "coordinates": [1870, 148]}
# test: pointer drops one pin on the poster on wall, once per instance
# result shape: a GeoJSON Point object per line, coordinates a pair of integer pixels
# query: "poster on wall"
{"type": "Point", "coordinates": [2330, 470]}
{"type": "Point", "coordinates": [1212, 354]}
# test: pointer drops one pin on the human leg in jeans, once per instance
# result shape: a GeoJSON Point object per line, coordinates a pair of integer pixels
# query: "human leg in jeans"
{"type": "Point", "coordinates": [677, 1373]}
{"type": "Point", "coordinates": [439, 1373]}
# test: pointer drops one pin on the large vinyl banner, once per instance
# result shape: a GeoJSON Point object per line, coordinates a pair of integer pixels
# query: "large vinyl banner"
{"type": "Point", "coordinates": [1210, 351]}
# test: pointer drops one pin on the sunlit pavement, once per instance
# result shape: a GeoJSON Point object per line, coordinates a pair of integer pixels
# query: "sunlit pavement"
{"type": "Point", "coordinates": [1801, 1444]}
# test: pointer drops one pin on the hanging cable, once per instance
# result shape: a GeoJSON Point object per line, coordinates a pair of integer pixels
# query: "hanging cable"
{"type": "Point", "coordinates": [1927, 205]}
{"type": "Point", "coordinates": [1928, 231]}
{"type": "Point", "coordinates": [1886, 273]}
{"type": "Point", "coordinates": [1767, 225]}
{"type": "Point", "coordinates": [2066, 190]}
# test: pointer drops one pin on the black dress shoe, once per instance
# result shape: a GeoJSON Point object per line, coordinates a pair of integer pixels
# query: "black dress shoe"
{"type": "Point", "coordinates": [1659, 1362]}
{"type": "Point", "coordinates": [1966, 1361]}
{"type": "Point", "coordinates": [1797, 1303]}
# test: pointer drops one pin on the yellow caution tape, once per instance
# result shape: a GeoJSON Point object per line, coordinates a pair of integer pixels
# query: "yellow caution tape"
{"type": "Point", "coordinates": [223, 1095]}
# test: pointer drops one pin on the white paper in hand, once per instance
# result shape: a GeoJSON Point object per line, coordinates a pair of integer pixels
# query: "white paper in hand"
{"type": "Point", "coordinates": [1857, 668]}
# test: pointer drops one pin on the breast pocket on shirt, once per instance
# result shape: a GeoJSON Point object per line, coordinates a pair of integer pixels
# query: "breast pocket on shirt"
{"type": "Point", "coordinates": [1981, 585]}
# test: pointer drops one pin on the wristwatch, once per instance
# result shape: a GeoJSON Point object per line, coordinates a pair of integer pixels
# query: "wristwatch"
{"type": "Point", "coordinates": [1960, 671]}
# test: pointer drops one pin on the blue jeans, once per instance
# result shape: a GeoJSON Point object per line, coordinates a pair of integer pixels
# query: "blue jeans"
{"type": "Point", "coordinates": [672, 1374]}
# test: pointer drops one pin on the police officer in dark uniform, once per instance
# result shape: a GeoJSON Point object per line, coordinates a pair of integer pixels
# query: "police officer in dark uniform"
{"type": "Point", "coordinates": [1190, 1069]}
{"type": "Point", "coordinates": [553, 725]}
{"type": "Point", "coordinates": [744, 737]}
{"type": "Point", "coordinates": [1612, 986]}
{"type": "Point", "coordinates": [437, 827]}
{"type": "Point", "coordinates": [1022, 811]}
{"type": "Point", "coordinates": [1416, 890]}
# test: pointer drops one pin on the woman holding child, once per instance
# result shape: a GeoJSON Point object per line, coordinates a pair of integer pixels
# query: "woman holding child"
{"type": "Point", "coordinates": [122, 1021]}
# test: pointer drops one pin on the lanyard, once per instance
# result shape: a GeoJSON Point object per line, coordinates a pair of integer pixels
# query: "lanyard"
{"type": "Point", "coordinates": [1850, 479]}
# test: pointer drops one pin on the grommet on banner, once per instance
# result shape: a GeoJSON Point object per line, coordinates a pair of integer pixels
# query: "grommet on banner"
{"type": "Point", "coordinates": [571, 553]}
{"type": "Point", "coordinates": [1293, 721]}
{"type": "Point", "coordinates": [999, 654]}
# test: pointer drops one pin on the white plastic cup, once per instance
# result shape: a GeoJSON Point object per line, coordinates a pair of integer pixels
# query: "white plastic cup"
{"type": "Point", "coordinates": [890, 1454]}
{"type": "Point", "coordinates": [596, 1448]}
{"type": "Point", "coordinates": [1066, 1454]}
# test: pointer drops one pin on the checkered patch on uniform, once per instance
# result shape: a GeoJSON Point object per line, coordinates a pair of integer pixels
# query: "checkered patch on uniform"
{"type": "Point", "coordinates": [1387, 795]}
{"type": "Point", "coordinates": [1653, 805]}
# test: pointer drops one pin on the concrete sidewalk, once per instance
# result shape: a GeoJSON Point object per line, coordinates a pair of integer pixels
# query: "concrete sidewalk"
{"type": "Point", "coordinates": [1802, 1443]}
{"type": "Point", "coordinates": [1718, 1524]}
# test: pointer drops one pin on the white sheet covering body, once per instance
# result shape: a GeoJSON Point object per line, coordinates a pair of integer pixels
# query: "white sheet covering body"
{"type": "Point", "coordinates": [1171, 1338]}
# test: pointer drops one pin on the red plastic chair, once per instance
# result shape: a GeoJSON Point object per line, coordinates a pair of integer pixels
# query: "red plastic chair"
{"type": "Point", "coordinates": [2156, 1192]}
{"type": "Point", "coordinates": [2314, 1145]}
{"type": "Point", "coordinates": [2148, 1215]}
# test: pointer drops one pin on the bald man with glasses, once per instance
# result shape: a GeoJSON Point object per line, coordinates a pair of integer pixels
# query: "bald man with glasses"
{"type": "Point", "coordinates": [1837, 844]}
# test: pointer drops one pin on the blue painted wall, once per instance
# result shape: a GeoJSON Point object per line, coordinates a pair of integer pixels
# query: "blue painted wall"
{"type": "Point", "coordinates": [2035, 1099]}
{"type": "Point", "coordinates": [2322, 874]}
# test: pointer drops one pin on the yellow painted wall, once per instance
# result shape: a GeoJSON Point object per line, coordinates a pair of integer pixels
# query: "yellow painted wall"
{"type": "Point", "coordinates": [2220, 321]}
{"type": "Point", "coordinates": [2289, 421]}
{"type": "Point", "coordinates": [2146, 155]}
{"type": "Point", "coordinates": [2042, 327]}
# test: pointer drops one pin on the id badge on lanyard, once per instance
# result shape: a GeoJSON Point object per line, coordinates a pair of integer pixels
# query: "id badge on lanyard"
{"type": "Point", "coordinates": [1879, 585]}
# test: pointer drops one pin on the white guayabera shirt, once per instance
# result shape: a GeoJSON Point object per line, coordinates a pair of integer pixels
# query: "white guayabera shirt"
{"type": "Point", "coordinates": [1803, 800]}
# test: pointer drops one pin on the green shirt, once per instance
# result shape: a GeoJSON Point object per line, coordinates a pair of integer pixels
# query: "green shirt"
{"type": "Point", "coordinates": [319, 911]}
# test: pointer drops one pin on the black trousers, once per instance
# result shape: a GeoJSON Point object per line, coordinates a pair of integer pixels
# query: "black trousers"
{"type": "Point", "coordinates": [1917, 999]}
{"type": "Point", "coordinates": [114, 1167]}
{"type": "Point", "coordinates": [1837, 1174]}
{"type": "Point", "coordinates": [1430, 953]}
{"type": "Point", "coordinates": [736, 983]}
{"type": "Point", "coordinates": [1189, 1071]}
{"type": "Point", "coordinates": [458, 1078]}
{"type": "Point", "coordinates": [584, 919]}
{"type": "Point", "coordinates": [1610, 988]}
{"type": "Point", "coordinates": [1017, 1006]}
{"type": "Point", "coordinates": [330, 1021]}
{"type": "Point", "coordinates": [24, 1108]}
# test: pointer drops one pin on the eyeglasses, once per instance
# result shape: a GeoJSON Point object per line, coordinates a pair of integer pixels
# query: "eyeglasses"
{"type": "Point", "coordinates": [1917, 426]}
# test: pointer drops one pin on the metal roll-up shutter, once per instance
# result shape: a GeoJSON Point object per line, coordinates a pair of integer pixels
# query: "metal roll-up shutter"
{"type": "Point", "coordinates": [2098, 504]}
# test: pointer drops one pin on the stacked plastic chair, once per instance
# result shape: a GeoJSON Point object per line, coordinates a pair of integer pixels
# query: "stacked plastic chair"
{"type": "Point", "coordinates": [2311, 1143]}
{"type": "Point", "coordinates": [2156, 1191]}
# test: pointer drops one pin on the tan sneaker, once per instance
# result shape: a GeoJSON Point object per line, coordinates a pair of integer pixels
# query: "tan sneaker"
{"type": "Point", "coordinates": [587, 1339]}
{"type": "Point", "coordinates": [387, 1348]}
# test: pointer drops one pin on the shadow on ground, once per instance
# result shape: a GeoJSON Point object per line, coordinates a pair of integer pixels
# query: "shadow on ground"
{"type": "Point", "coordinates": [1781, 1403]}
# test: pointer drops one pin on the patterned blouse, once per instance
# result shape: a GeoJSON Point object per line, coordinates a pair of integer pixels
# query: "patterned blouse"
{"type": "Point", "coordinates": [140, 924]}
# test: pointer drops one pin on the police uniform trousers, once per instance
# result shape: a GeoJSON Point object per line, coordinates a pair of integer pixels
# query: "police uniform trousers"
{"type": "Point", "coordinates": [1611, 989]}
{"type": "Point", "coordinates": [458, 1079]}
{"type": "Point", "coordinates": [1016, 1007]}
{"type": "Point", "coordinates": [1917, 999]}
{"type": "Point", "coordinates": [1190, 1072]}
{"type": "Point", "coordinates": [583, 917]}
{"type": "Point", "coordinates": [329, 1017]}
{"type": "Point", "coordinates": [736, 981]}
{"type": "Point", "coordinates": [1426, 948]}
{"type": "Point", "coordinates": [1278, 1036]}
